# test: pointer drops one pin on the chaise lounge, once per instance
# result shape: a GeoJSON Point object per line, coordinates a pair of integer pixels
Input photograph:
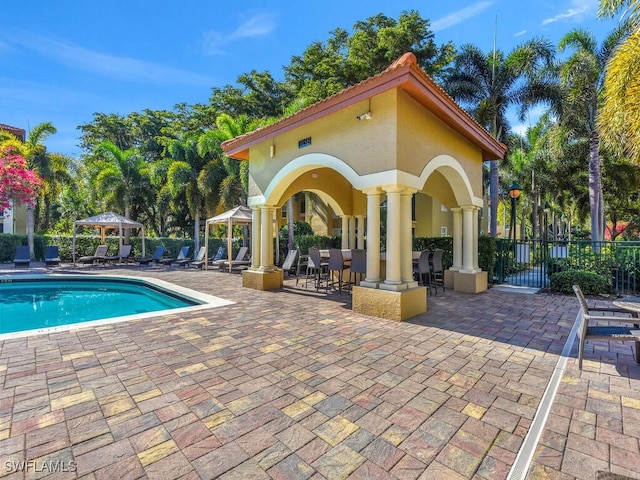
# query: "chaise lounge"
{"type": "Point", "coordinates": [101, 252]}
{"type": "Point", "coordinates": [51, 256]}
{"type": "Point", "coordinates": [22, 257]}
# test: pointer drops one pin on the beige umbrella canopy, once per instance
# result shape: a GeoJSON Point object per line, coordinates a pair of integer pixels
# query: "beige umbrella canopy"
{"type": "Point", "coordinates": [107, 221]}
{"type": "Point", "coordinates": [236, 216]}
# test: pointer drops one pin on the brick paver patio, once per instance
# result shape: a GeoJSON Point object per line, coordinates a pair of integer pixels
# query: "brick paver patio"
{"type": "Point", "coordinates": [294, 385]}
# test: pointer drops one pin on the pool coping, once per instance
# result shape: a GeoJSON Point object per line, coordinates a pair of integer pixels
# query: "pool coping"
{"type": "Point", "coordinates": [208, 302]}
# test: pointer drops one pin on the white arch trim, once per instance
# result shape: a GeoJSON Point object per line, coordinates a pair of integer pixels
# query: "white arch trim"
{"type": "Point", "coordinates": [292, 170]}
{"type": "Point", "coordinates": [456, 176]}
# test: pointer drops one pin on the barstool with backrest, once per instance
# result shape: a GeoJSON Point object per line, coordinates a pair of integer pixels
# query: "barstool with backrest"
{"type": "Point", "coordinates": [422, 269]}
{"type": "Point", "coordinates": [315, 267]}
{"type": "Point", "coordinates": [358, 266]}
{"type": "Point", "coordinates": [336, 265]}
{"type": "Point", "coordinates": [437, 269]}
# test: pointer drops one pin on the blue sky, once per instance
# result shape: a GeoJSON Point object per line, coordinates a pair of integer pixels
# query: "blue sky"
{"type": "Point", "coordinates": [61, 61]}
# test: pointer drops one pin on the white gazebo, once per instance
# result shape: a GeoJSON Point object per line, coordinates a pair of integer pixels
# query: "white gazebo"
{"type": "Point", "coordinates": [240, 215]}
{"type": "Point", "coordinates": [107, 221]}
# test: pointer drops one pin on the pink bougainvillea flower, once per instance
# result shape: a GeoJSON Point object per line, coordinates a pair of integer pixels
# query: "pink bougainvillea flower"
{"type": "Point", "coordinates": [18, 184]}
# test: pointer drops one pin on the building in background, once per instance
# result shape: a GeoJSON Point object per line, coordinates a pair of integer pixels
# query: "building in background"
{"type": "Point", "coordinates": [14, 220]}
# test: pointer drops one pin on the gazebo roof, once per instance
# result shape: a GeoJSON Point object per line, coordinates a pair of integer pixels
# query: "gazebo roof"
{"type": "Point", "coordinates": [109, 219]}
{"type": "Point", "coordinates": [240, 214]}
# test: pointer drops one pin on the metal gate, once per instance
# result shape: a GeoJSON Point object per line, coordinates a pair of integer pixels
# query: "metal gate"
{"type": "Point", "coordinates": [530, 263]}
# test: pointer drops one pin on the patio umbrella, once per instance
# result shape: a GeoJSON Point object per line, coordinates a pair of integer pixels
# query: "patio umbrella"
{"type": "Point", "coordinates": [240, 215]}
{"type": "Point", "coordinates": [105, 221]}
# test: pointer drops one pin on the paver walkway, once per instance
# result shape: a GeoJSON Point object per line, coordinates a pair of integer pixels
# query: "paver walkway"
{"type": "Point", "coordinates": [293, 384]}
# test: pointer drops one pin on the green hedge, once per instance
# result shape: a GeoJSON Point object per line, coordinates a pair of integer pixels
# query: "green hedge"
{"type": "Point", "coordinates": [87, 244]}
{"type": "Point", "coordinates": [591, 283]}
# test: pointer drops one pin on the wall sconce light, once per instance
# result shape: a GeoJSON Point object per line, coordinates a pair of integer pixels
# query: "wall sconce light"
{"type": "Point", "coordinates": [272, 151]}
{"type": "Point", "coordinates": [364, 116]}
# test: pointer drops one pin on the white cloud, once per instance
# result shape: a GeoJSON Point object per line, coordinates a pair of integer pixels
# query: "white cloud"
{"type": "Point", "coordinates": [122, 68]}
{"type": "Point", "coordinates": [258, 25]}
{"type": "Point", "coordinates": [520, 33]}
{"type": "Point", "coordinates": [578, 7]}
{"type": "Point", "coordinates": [460, 16]}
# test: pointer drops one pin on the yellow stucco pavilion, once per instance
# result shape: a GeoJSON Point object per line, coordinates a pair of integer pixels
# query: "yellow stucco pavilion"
{"type": "Point", "coordinates": [388, 137]}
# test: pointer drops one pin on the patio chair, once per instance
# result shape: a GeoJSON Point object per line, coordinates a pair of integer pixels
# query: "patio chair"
{"type": "Point", "coordinates": [99, 256]}
{"type": "Point", "coordinates": [437, 270]}
{"type": "Point", "coordinates": [22, 257]}
{"type": "Point", "coordinates": [51, 255]}
{"type": "Point", "coordinates": [237, 263]}
{"type": "Point", "coordinates": [198, 258]}
{"type": "Point", "coordinates": [358, 266]}
{"type": "Point", "coordinates": [605, 332]}
{"type": "Point", "coordinates": [316, 268]}
{"type": "Point", "coordinates": [242, 253]}
{"type": "Point", "coordinates": [287, 265]}
{"type": "Point", "coordinates": [422, 269]}
{"type": "Point", "coordinates": [122, 257]}
{"type": "Point", "coordinates": [336, 267]}
{"type": "Point", "coordinates": [157, 256]}
{"type": "Point", "coordinates": [183, 255]}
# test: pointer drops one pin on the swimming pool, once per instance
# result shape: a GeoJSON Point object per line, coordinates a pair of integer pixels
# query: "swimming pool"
{"type": "Point", "coordinates": [45, 303]}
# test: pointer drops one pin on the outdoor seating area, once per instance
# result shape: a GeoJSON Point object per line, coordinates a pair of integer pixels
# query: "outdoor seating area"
{"type": "Point", "coordinates": [445, 385]}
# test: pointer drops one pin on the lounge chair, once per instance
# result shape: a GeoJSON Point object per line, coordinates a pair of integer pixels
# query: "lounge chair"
{"type": "Point", "coordinates": [22, 257]}
{"type": "Point", "coordinates": [122, 257]}
{"type": "Point", "coordinates": [287, 265]}
{"type": "Point", "coordinates": [51, 255]}
{"type": "Point", "coordinates": [183, 255]}
{"type": "Point", "coordinates": [240, 257]}
{"type": "Point", "coordinates": [100, 255]}
{"type": "Point", "coordinates": [157, 256]}
{"type": "Point", "coordinates": [199, 258]}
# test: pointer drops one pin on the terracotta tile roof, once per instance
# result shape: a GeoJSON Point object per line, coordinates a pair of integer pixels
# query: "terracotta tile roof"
{"type": "Point", "coordinates": [404, 73]}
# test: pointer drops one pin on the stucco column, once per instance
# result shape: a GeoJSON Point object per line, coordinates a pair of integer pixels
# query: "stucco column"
{"type": "Point", "coordinates": [360, 239]}
{"type": "Point", "coordinates": [266, 240]}
{"type": "Point", "coordinates": [406, 240]}
{"type": "Point", "coordinates": [467, 235]}
{"type": "Point", "coordinates": [372, 277]}
{"type": "Point", "coordinates": [476, 231]}
{"type": "Point", "coordinates": [256, 227]}
{"type": "Point", "coordinates": [457, 239]}
{"type": "Point", "coordinates": [352, 232]}
{"type": "Point", "coordinates": [345, 232]}
{"type": "Point", "coordinates": [393, 280]}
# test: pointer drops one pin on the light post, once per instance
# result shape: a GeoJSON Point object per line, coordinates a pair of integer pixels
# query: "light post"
{"type": "Point", "coordinates": [514, 193]}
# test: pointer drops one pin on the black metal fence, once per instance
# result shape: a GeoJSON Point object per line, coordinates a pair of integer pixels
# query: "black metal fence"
{"type": "Point", "coordinates": [531, 262]}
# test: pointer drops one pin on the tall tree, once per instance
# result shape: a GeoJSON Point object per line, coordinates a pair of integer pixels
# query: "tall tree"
{"type": "Point", "coordinates": [118, 175]}
{"type": "Point", "coordinates": [488, 84]}
{"type": "Point", "coordinates": [195, 175]}
{"type": "Point", "coordinates": [582, 80]}
{"type": "Point", "coordinates": [344, 60]}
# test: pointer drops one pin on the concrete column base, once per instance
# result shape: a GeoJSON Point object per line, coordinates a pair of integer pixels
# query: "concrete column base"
{"type": "Point", "coordinates": [470, 282]}
{"type": "Point", "coordinates": [259, 280]}
{"type": "Point", "coordinates": [397, 306]}
{"type": "Point", "coordinates": [448, 279]}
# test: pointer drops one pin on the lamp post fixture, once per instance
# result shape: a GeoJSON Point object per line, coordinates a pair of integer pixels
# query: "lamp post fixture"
{"type": "Point", "coordinates": [514, 193]}
{"type": "Point", "coordinates": [546, 210]}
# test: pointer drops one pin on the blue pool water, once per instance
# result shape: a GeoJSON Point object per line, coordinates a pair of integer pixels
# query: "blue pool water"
{"type": "Point", "coordinates": [43, 303]}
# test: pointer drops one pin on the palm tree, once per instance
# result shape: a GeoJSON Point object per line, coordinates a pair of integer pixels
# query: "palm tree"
{"type": "Point", "coordinates": [195, 175]}
{"type": "Point", "coordinates": [582, 81]}
{"type": "Point", "coordinates": [118, 175]}
{"type": "Point", "coordinates": [234, 188]}
{"type": "Point", "coordinates": [488, 84]}
{"type": "Point", "coordinates": [619, 117]}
